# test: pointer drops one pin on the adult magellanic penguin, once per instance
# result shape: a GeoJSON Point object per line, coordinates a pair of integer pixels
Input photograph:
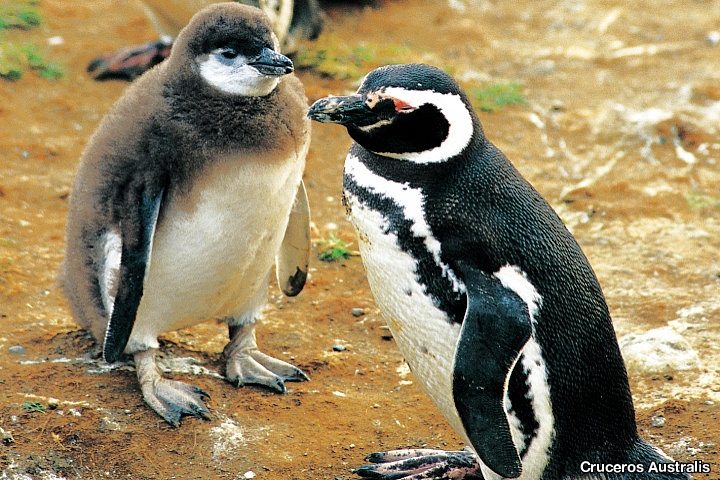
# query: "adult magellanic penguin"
{"type": "Point", "coordinates": [187, 193]}
{"type": "Point", "coordinates": [490, 298]}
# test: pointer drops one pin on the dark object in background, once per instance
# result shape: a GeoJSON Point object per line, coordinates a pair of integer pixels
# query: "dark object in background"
{"type": "Point", "coordinates": [291, 20]}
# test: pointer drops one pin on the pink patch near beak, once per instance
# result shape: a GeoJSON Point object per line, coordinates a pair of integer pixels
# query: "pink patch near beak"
{"type": "Point", "coordinates": [401, 106]}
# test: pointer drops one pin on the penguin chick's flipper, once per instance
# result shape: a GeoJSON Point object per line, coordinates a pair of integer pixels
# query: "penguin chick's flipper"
{"type": "Point", "coordinates": [129, 63]}
{"type": "Point", "coordinates": [134, 260]}
{"type": "Point", "coordinates": [170, 399]}
{"type": "Point", "coordinates": [421, 463]}
{"type": "Point", "coordinates": [247, 365]}
{"type": "Point", "coordinates": [495, 329]}
{"type": "Point", "coordinates": [291, 263]}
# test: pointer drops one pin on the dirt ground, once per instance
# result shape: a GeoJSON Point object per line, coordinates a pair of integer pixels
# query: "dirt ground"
{"type": "Point", "coordinates": [620, 133]}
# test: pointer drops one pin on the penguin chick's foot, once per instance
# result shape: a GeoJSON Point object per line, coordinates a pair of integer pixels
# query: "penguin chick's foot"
{"type": "Point", "coordinates": [248, 365]}
{"type": "Point", "coordinates": [421, 464]}
{"type": "Point", "coordinates": [170, 399]}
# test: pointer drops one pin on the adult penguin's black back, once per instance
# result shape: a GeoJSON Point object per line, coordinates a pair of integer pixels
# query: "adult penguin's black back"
{"type": "Point", "coordinates": [492, 301]}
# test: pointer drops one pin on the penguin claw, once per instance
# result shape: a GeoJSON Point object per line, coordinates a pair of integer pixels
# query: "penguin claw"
{"type": "Point", "coordinates": [420, 464]}
{"type": "Point", "coordinates": [172, 400]}
{"type": "Point", "coordinates": [256, 368]}
{"type": "Point", "coordinates": [284, 370]}
{"type": "Point", "coordinates": [400, 454]}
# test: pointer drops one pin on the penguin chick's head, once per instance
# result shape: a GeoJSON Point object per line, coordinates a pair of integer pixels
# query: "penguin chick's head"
{"type": "Point", "coordinates": [412, 112]}
{"type": "Point", "coordinates": [233, 48]}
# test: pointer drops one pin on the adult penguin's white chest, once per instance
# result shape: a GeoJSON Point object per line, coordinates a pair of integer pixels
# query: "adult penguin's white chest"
{"type": "Point", "coordinates": [424, 333]}
{"type": "Point", "coordinates": [385, 214]}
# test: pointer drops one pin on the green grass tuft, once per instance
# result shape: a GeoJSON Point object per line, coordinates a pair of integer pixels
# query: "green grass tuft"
{"type": "Point", "coordinates": [331, 57]}
{"type": "Point", "coordinates": [334, 249]}
{"type": "Point", "coordinates": [32, 407]}
{"type": "Point", "coordinates": [702, 201]}
{"type": "Point", "coordinates": [493, 97]}
{"type": "Point", "coordinates": [51, 71]}
{"type": "Point", "coordinates": [17, 59]}
{"type": "Point", "coordinates": [20, 15]}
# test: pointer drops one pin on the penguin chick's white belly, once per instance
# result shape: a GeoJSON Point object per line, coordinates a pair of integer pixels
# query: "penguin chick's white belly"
{"type": "Point", "coordinates": [212, 255]}
{"type": "Point", "coordinates": [426, 337]}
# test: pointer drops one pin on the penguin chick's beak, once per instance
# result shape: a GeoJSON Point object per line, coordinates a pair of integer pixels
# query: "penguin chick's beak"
{"type": "Point", "coordinates": [272, 63]}
{"type": "Point", "coordinates": [343, 110]}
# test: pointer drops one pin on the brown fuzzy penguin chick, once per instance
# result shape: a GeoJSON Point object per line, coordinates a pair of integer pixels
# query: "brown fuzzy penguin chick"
{"type": "Point", "coordinates": [187, 192]}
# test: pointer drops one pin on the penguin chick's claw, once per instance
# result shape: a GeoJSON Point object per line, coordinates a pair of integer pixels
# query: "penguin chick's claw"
{"type": "Point", "coordinates": [170, 399]}
{"type": "Point", "coordinates": [418, 464]}
{"type": "Point", "coordinates": [129, 63]}
{"type": "Point", "coordinates": [248, 365]}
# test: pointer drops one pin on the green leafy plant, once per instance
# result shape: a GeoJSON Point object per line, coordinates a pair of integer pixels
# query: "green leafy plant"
{"type": "Point", "coordinates": [493, 97]}
{"type": "Point", "coordinates": [32, 407]}
{"type": "Point", "coordinates": [333, 249]}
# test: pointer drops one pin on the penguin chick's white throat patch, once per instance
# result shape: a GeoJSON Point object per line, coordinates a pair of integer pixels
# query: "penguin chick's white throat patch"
{"type": "Point", "coordinates": [235, 76]}
{"type": "Point", "coordinates": [453, 109]}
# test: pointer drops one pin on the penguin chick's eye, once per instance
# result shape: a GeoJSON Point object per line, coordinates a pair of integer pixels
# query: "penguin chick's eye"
{"type": "Point", "coordinates": [229, 52]}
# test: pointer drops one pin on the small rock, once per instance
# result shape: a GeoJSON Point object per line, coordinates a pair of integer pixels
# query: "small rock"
{"type": "Point", "coordinates": [557, 106]}
{"type": "Point", "coordinates": [249, 474]}
{"type": "Point", "coordinates": [660, 350]}
{"type": "Point", "coordinates": [6, 437]}
{"type": "Point", "coordinates": [53, 403]}
{"type": "Point", "coordinates": [357, 312]}
{"type": "Point", "coordinates": [657, 421]}
{"type": "Point", "coordinates": [17, 350]}
{"type": "Point", "coordinates": [713, 38]}
{"type": "Point", "coordinates": [339, 348]}
{"type": "Point", "coordinates": [682, 447]}
{"type": "Point", "coordinates": [387, 334]}
{"type": "Point", "coordinates": [107, 425]}
{"type": "Point", "coordinates": [542, 68]}
{"type": "Point", "coordinates": [56, 40]}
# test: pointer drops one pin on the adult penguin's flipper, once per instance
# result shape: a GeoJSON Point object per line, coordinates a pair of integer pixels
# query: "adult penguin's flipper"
{"type": "Point", "coordinates": [495, 329]}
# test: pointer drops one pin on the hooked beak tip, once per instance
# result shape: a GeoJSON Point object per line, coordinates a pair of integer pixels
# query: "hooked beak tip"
{"type": "Point", "coordinates": [272, 63]}
{"type": "Point", "coordinates": [321, 110]}
{"type": "Point", "coordinates": [340, 109]}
